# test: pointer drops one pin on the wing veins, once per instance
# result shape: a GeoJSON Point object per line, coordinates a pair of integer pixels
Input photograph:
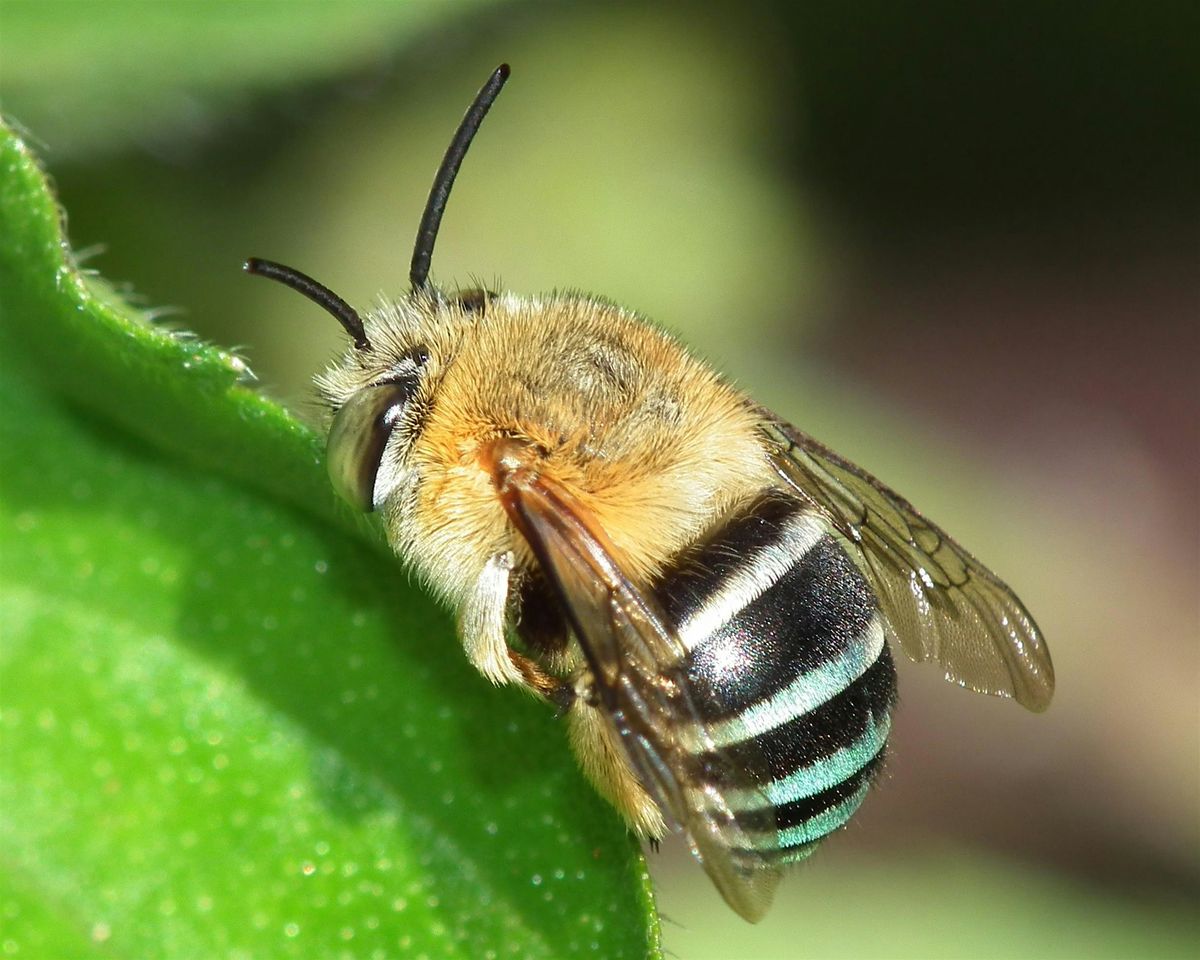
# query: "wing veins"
{"type": "Point", "coordinates": [951, 609]}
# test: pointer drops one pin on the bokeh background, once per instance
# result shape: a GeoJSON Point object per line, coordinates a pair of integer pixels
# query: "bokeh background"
{"type": "Point", "coordinates": [957, 242]}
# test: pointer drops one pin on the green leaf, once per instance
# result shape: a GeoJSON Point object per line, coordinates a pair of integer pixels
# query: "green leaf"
{"type": "Point", "coordinates": [230, 726]}
{"type": "Point", "coordinates": [184, 397]}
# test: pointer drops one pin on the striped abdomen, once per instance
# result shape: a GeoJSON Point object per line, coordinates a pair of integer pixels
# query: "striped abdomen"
{"type": "Point", "coordinates": [789, 672]}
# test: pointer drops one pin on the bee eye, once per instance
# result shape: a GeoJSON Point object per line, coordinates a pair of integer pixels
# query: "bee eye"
{"type": "Point", "coordinates": [474, 301]}
{"type": "Point", "coordinates": [359, 435]}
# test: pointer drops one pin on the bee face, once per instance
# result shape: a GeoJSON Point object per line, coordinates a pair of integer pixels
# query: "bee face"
{"type": "Point", "coordinates": [708, 593]}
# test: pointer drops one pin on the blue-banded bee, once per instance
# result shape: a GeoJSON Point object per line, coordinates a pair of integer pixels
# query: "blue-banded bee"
{"type": "Point", "coordinates": [707, 593]}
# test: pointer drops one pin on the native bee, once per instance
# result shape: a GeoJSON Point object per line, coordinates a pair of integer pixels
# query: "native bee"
{"type": "Point", "coordinates": [706, 592]}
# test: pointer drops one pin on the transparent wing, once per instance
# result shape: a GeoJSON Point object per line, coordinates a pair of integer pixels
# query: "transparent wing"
{"type": "Point", "coordinates": [633, 655]}
{"type": "Point", "coordinates": [941, 603]}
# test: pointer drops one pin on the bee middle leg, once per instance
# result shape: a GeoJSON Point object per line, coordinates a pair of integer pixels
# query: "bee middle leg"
{"type": "Point", "coordinates": [544, 633]}
{"type": "Point", "coordinates": [603, 762]}
{"type": "Point", "coordinates": [559, 692]}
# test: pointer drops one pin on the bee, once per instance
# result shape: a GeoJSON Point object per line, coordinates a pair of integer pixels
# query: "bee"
{"type": "Point", "coordinates": [708, 594]}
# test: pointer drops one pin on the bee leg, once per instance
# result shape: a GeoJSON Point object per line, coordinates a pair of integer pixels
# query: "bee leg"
{"type": "Point", "coordinates": [482, 629]}
{"type": "Point", "coordinates": [561, 693]}
{"type": "Point", "coordinates": [604, 764]}
{"type": "Point", "coordinates": [481, 623]}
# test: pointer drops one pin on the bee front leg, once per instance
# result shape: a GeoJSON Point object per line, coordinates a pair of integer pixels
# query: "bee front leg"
{"type": "Point", "coordinates": [482, 623]}
{"type": "Point", "coordinates": [482, 628]}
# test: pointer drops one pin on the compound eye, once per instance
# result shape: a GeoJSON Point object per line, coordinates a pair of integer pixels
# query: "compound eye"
{"type": "Point", "coordinates": [358, 437]}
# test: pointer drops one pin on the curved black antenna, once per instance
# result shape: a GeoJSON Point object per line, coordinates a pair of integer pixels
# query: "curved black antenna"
{"type": "Point", "coordinates": [435, 206]}
{"type": "Point", "coordinates": [318, 293]}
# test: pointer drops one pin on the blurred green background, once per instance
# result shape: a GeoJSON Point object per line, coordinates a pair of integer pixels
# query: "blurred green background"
{"type": "Point", "coordinates": [959, 243]}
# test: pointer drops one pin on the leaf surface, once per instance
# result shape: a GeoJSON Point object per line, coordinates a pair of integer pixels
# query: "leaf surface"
{"type": "Point", "coordinates": [230, 725]}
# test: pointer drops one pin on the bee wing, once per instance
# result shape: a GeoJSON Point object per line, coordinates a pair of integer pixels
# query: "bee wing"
{"type": "Point", "coordinates": [941, 603]}
{"type": "Point", "coordinates": [635, 657]}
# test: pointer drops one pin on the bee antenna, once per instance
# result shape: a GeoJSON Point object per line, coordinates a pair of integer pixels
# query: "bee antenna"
{"type": "Point", "coordinates": [435, 206]}
{"type": "Point", "coordinates": [318, 293]}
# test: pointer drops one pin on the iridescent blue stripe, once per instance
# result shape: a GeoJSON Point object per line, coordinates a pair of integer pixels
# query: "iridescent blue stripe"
{"type": "Point", "coordinates": [804, 694]}
{"type": "Point", "coordinates": [834, 769]}
{"type": "Point", "coordinates": [823, 823]}
{"type": "Point", "coordinates": [824, 774]}
{"type": "Point", "coordinates": [789, 844]}
{"type": "Point", "coordinates": [795, 854]}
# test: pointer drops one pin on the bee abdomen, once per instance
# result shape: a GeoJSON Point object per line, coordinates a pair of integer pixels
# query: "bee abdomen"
{"type": "Point", "coordinates": [789, 673]}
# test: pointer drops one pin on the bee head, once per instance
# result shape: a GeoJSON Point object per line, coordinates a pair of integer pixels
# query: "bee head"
{"type": "Point", "coordinates": [373, 393]}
